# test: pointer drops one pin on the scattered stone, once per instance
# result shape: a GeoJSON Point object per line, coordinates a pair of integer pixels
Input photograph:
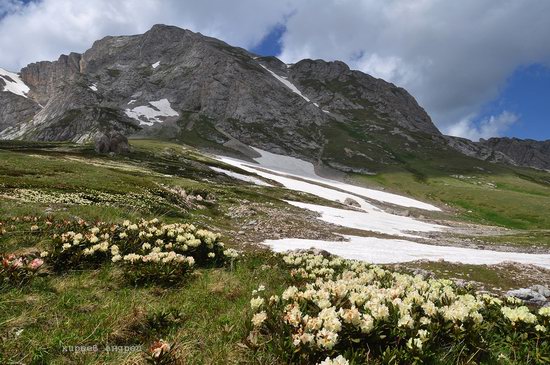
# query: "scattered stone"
{"type": "Point", "coordinates": [426, 274]}
{"type": "Point", "coordinates": [537, 294]}
{"type": "Point", "coordinates": [314, 251]}
{"type": "Point", "coordinates": [352, 202]}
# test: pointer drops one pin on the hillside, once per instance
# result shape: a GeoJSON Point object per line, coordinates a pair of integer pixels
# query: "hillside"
{"type": "Point", "coordinates": [50, 189]}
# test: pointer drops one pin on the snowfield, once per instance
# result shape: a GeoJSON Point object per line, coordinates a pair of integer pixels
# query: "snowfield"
{"type": "Point", "coordinates": [14, 84]}
{"type": "Point", "coordinates": [147, 115]}
{"type": "Point", "coordinates": [370, 220]}
{"type": "Point", "coordinates": [386, 251]}
{"type": "Point", "coordinates": [298, 175]}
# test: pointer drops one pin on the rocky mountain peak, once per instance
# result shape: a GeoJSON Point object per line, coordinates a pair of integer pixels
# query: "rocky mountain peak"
{"type": "Point", "coordinates": [172, 83]}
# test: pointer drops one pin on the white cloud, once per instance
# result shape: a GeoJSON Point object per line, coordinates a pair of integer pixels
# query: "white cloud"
{"type": "Point", "coordinates": [44, 29]}
{"type": "Point", "coordinates": [453, 56]}
{"type": "Point", "coordinates": [493, 126]}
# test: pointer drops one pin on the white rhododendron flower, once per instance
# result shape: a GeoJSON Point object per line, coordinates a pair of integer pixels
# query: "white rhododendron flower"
{"type": "Point", "coordinates": [259, 318]}
{"type": "Point", "coordinates": [339, 360]}
{"type": "Point", "coordinates": [256, 303]}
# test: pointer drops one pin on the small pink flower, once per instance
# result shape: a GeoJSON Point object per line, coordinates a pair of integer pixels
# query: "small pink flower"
{"type": "Point", "coordinates": [36, 263]}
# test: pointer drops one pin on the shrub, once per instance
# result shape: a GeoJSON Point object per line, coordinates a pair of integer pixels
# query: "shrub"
{"type": "Point", "coordinates": [341, 311]}
{"type": "Point", "coordinates": [18, 270]}
{"type": "Point", "coordinates": [149, 251]}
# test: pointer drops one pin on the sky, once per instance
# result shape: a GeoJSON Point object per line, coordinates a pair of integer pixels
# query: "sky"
{"type": "Point", "coordinates": [480, 68]}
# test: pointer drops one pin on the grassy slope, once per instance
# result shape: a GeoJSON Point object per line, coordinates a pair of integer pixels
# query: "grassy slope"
{"type": "Point", "coordinates": [96, 307]}
{"type": "Point", "coordinates": [508, 197]}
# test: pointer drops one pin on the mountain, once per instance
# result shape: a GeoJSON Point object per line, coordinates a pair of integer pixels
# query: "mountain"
{"type": "Point", "coordinates": [514, 151]}
{"type": "Point", "coordinates": [174, 84]}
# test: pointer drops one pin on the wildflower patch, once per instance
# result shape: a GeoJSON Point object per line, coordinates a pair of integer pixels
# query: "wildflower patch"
{"type": "Point", "coordinates": [348, 312]}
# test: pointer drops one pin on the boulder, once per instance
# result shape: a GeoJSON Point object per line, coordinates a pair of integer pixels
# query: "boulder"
{"type": "Point", "coordinates": [352, 202]}
{"type": "Point", "coordinates": [112, 142]}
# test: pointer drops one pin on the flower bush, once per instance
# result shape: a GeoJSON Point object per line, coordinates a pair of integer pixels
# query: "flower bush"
{"type": "Point", "coordinates": [149, 250]}
{"type": "Point", "coordinates": [340, 311]}
{"type": "Point", "coordinates": [18, 270]}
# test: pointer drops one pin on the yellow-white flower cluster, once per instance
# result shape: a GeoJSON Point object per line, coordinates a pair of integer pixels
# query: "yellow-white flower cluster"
{"type": "Point", "coordinates": [145, 242]}
{"type": "Point", "coordinates": [341, 301]}
{"type": "Point", "coordinates": [145, 201]}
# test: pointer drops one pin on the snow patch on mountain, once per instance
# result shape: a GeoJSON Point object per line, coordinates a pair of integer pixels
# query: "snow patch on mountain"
{"type": "Point", "coordinates": [287, 83]}
{"type": "Point", "coordinates": [303, 169]}
{"type": "Point", "coordinates": [149, 115]}
{"type": "Point", "coordinates": [369, 218]}
{"type": "Point", "coordinates": [14, 84]}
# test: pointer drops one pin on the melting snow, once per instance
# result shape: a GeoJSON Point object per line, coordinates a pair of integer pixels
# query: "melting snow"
{"type": "Point", "coordinates": [371, 218]}
{"type": "Point", "coordinates": [156, 64]}
{"type": "Point", "coordinates": [384, 251]}
{"type": "Point", "coordinates": [303, 169]}
{"type": "Point", "coordinates": [147, 115]}
{"type": "Point", "coordinates": [287, 83]}
{"type": "Point", "coordinates": [14, 84]}
{"type": "Point", "coordinates": [242, 177]}
{"type": "Point", "coordinates": [300, 175]}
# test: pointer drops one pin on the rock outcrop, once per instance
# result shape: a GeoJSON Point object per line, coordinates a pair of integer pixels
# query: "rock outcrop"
{"type": "Point", "coordinates": [112, 142]}
{"type": "Point", "coordinates": [513, 151]}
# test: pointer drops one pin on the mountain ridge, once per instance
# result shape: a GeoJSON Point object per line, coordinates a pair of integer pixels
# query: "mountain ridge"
{"type": "Point", "coordinates": [172, 83]}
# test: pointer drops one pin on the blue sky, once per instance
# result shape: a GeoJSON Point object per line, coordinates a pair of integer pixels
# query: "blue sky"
{"type": "Point", "coordinates": [527, 94]}
{"type": "Point", "coordinates": [479, 68]}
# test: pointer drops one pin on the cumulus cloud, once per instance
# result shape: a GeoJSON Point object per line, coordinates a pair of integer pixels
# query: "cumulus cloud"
{"type": "Point", "coordinates": [453, 56]}
{"type": "Point", "coordinates": [492, 126]}
{"type": "Point", "coordinates": [43, 29]}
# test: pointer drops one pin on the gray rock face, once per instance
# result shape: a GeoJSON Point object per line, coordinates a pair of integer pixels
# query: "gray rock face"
{"type": "Point", "coordinates": [526, 152]}
{"type": "Point", "coordinates": [204, 81]}
{"type": "Point", "coordinates": [337, 87]}
{"type": "Point", "coordinates": [512, 151]}
{"type": "Point", "coordinates": [15, 109]}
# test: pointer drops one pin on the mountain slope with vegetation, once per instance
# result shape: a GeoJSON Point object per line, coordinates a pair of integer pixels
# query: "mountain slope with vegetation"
{"type": "Point", "coordinates": [173, 84]}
